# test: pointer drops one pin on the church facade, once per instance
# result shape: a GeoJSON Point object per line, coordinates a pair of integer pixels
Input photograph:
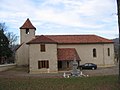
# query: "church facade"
{"type": "Point", "coordinates": [51, 53]}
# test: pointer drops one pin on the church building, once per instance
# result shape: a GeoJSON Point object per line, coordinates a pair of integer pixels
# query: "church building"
{"type": "Point", "coordinates": [51, 53]}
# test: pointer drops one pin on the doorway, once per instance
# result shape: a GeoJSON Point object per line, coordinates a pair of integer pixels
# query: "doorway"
{"type": "Point", "coordinates": [59, 64]}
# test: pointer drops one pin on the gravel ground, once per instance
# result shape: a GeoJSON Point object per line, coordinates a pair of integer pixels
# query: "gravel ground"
{"type": "Point", "coordinates": [103, 71]}
{"type": "Point", "coordinates": [22, 72]}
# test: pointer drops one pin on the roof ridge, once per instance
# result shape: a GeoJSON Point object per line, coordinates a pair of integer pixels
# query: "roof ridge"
{"type": "Point", "coordinates": [72, 35]}
{"type": "Point", "coordinates": [47, 38]}
{"type": "Point", "coordinates": [101, 38]}
{"type": "Point", "coordinates": [27, 24]}
{"type": "Point", "coordinates": [41, 39]}
{"type": "Point", "coordinates": [75, 39]}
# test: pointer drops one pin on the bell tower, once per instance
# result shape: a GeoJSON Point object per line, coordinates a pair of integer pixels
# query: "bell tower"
{"type": "Point", "coordinates": [27, 31]}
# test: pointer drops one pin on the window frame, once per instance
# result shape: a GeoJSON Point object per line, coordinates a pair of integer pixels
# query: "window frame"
{"type": "Point", "coordinates": [42, 47]}
{"type": "Point", "coordinates": [43, 64]}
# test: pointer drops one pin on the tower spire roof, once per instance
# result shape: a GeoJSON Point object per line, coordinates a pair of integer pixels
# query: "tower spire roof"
{"type": "Point", "coordinates": [28, 25]}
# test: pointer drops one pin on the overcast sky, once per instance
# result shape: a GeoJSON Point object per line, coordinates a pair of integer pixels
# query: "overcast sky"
{"type": "Point", "coordinates": [62, 16]}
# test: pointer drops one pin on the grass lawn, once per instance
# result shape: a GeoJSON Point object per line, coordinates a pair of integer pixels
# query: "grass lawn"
{"type": "Point", "coordinates": [36, 83]}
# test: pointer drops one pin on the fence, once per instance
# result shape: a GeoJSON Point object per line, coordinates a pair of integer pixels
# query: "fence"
{"type": "Point", "coordinates": [6, 66]}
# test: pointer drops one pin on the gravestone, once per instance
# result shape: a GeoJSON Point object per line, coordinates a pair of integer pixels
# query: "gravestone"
{"type": "Point", "coordinates": [75, 71]}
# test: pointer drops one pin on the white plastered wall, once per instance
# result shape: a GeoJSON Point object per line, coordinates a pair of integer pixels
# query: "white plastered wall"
{"type": "Point", "coordinates": [85, 52]}
{"type": "Point", "coordinates": [36, 55]}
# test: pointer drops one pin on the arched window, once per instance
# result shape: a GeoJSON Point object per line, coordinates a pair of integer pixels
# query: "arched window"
{"type": "Point", "coordinates": [94, 53]}
{"type": "Point", "coordinates": [108, 51]}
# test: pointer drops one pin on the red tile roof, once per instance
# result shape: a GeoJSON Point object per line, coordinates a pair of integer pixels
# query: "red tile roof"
{"type": "Point", "coordinates": [28, 25]}
{"type": "Point", "coordinates": [78, 39]}
{"type": "Point", "coordinates": [65, 54]}
{"type": "Point", "coordinates": [75, 39]}
{"type": "Point", "coordinates": [41, 39]}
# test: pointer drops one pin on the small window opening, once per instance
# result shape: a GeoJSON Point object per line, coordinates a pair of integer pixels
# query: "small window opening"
{"type": "Point", "coordinates": [27, 31]}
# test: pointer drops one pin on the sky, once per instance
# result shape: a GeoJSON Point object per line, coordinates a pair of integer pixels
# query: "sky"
{"type": "Point", "coordinates": [62, 17]}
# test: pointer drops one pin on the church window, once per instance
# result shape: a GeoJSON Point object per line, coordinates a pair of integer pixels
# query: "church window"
{"type": "Point", "coordinates": [108, 51]}
{"type": "Point", "coordinates": [94, 53]}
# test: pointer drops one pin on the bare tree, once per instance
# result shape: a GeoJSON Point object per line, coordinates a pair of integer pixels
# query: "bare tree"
{"type": "Point", "coordinates": [10, 35]}
{"type": "Point", "coordinates": [3, 26]}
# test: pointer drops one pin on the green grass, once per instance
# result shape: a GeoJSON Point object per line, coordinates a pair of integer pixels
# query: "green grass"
{"type": "Point", "coordinates": [36, 83]}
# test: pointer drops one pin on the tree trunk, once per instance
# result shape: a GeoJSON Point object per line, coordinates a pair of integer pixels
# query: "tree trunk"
{"type": "Point", "coordinates": [118, 9]}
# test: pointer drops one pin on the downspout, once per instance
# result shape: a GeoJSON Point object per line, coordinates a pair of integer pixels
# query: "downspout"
{"type": "Point", "coordinates": [103, 56]}
{"type": "Point", "coordinates": [28, 59]}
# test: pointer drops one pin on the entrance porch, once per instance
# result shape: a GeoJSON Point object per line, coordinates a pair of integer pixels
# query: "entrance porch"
{"type": "Point", "coordinates": [66, 65]}
{"type": "Point", "coordinates": [66, 57]}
